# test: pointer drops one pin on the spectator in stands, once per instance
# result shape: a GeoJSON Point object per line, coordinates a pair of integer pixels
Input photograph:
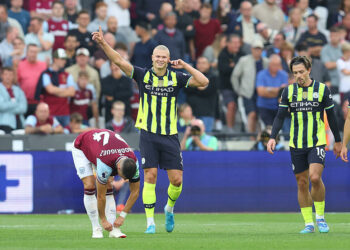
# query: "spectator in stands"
{"type": "Point", "coordinates": [116, 87]}
{"type": "Point", "coordinates": [269, 13]}
{"type": "Point", "coordinates": [71, 13]}
{"type": "Point", "coordinates": [13, 102]}
{"type": "Point", "coordinates": [185, 117]}
{"type": "Point", "coordinates": [6, 21]}
{"type": "Point", "coordinates": [17, 54]}
{"type": "Point", "coordinates": [287, 54]}
{"type": "Point", "coordinates": [57, 87]}
{"type": "Point", "coordinates": [185, 24]}
{"type": "Point", "coordinates": [172, 37]}
{"type": "Point", "coordinates": [120, 123]}
{"type": "Point", "coordinates": [40, 8]}
{"type": "Point", "coordinates": [6, 46]}
{"type": "Point", "coordinates": [195, 138]}
{"type": "Point", "coordinates": [42, 122]}
{"type": "Point", "coordinates": [76, 124]}
{"type": "Point", "coordinates": [157, 23]}
{"type": "Point", "coordinates": [343, 10]}
{"type": "Point", "coordinates": [244, 24]}
{"type": "Point", "coordinates": [100, 56]}
{"type": "Point", "coordinates": [265, 34]}
{"type": "Point", "coordinates": [268, 84]}
{"type": "Point", "coordinates": [243, 81]}
{"type": "Point", "coordinates": [120, 10]}
{"type": "Point", "coordinates": [58, 26]}
{"type": "Point", "coordinates": [42, 39]}
{"type": "Point", "coordinates": [224, 14]}
{"type": "Point", "coordinates": [148, 10]}
{"type": "Point", "coordinates": [82, 58]}
{"type": "Point", "coordinates": [206, 29]}
{"type": "Point", "coordinates": [203, 100]}
{"type": "Point", "coordinates": [143, 49]}
{"type": "Point", "coordinates": [18, 13]}
{"type": "Point", "coordinates": [112, 27]}
{"type": "Point", "coordinates": [28, 73]}
{"type": "Point", "coordinates": [84, 99]}
{"type": "Point", "coordinates": [343, 67]}
{"type": "Point", "coordinates": [330, 53]}
{"type": "Point", "coordinates": [313, 38]}
{"type": "Point", "coordinates": [295, 26]}
{"type": "Point", "coordinates": [303, 6]}
{"type": "Point", "coordinates": [275, 47]}
{"type": "Point", "coordinates": [345, 25]}
{"type": "Point", "coordinates": [228, 59]}
{"type": "Point", "coordinates": [101, 18]}
{"type": "Point", "coordinates": [82, 34]}
{"type": "Point", "coordinates": [212, 51]}
{"type": "Point", "coordinates": [319, 71]}
{"type": "Point", "coordinates": [70, 45]}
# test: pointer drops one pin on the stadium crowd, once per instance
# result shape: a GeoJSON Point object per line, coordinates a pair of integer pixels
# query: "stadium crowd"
{"type": "Point", "coordinates": [55, 79]}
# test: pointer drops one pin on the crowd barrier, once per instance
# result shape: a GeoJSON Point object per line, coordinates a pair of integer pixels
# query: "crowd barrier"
{"type": "Point", "coordinates": [223, 181]}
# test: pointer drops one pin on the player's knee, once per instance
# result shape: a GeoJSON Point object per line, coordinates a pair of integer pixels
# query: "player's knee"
{"type": "Point", "coordinates": [302, 184]}
{"type": "Point", "coordinates": [177, 181]}
{"type": "Point", "coordinates": [150, 176]}
{"type": "Point", "coordinates": [89, 186]}
{"type": "Point", "coordinates": [315, 179]}
{"type": "Point", "coordinates": [89, 183]}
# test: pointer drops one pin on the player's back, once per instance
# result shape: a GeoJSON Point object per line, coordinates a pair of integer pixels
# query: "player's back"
{"type": "Point", "coordinates": [103, 144]}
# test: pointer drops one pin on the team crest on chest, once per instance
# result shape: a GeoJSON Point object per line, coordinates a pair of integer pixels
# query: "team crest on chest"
{"type": "Point", "coordinates": [315, 95]}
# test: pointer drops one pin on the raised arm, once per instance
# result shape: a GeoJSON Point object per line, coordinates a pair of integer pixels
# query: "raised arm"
{"type": "Point", "coordinates": [113, 55]}
{"type": "Point", "coordinates": [197, 79]}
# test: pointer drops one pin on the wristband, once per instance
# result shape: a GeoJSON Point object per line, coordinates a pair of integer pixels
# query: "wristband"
{"type": "Point", "coordinates": [123, 214]}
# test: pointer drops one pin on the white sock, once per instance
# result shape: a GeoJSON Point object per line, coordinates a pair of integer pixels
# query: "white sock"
{"type": "Point", "coordinates": [319, 217]}
{"type": "Point", "coordinates": [111, 211]}
{"type": "Point", "coordinates": [169, 209]}
{"type": "Point", "coordinates": [90, 203]}
{"type": "Point", "coordinates": [150, 221]}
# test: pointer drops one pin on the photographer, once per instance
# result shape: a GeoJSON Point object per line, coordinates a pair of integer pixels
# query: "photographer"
{"type": "Point", "coordinates": [263, 138]}
{"type": "Point", "coordinates": [196, 139]}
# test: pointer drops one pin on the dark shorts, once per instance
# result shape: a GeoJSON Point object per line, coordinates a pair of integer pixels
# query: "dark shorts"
{"type": "Point", "coordinates": [302, 158]}
{"type": "Point", "coordinates": [160, 150]}
{"type": "Point", "coordinates": [250, 104]}
{"type": "Point", "coordinates": [229, 96]}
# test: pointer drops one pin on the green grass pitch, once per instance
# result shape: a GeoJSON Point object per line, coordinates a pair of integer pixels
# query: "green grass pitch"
{"type": "Point", "coordinates": [192, 231]}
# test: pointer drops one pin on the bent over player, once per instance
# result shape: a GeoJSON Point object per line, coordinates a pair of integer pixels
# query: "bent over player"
{"type": "Point", "coordinates": [306, 100]}
{"type": "Point", "coordinates": [109, 155]}
{"type": "Point", "coordinates": [159, 87]}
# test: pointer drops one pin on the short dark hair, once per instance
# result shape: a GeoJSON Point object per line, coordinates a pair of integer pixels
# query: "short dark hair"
{"type": "Point", "coordinates": [83, 12]}
{"type": "Point", "coordinates": [314, 16]}
{"type": "Point", "coordinates": [300, 60]}
{"type": "Point", "coordinates": [334, 29]}
{"type": "Point", "coordinates": [57, 2]}
{"type": "Point", "coordinates": [40, 20]}
{"type": "Point", "coordinates": [301, 47]}
{"type": "Point", "coordinates": [120, 45]}
{"type": "Point", "coordinates": [7, 69]}
{"type": "Point", "coordinates": [32, 45]}
{"type": "Point", "coordinates": [76, 117]}
{"type": "Point", "coordinates": [206, 5]}
{"type": "Point", "coordinates": [128, 168]}
{"type": "Point", "coordinates": [70, 35]}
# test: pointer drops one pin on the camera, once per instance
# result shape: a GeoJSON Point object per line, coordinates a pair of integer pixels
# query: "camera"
{"type": "Point", "coordinates": [195, 131]}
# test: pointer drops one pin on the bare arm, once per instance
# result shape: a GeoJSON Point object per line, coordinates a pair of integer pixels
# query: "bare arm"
{"type": "Point", "coordinates": [134, 194]}
{"type": "Point", "coordinates": [346, 136]}
{"type": "Point", "coordinates": [60, 92]}
{"type": "Point", "coordinates": [268, 92]}
{"type": "Point", "coordinates": [345, 71]}
{"type": "Point", "coordinates": [330, 65]}
{"type": "Point", "coordinates": [95, 114]}
{"type": "Point", "coordinates": [197, 79]}
{"type": "Point", "coordinates": [113, 55]}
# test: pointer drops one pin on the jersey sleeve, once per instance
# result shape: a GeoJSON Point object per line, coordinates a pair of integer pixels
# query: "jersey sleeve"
{"type": "Point", "coordinates": [137, 74]}
{"type": "Point", "coordinates": [183, 79]}
{"type": "Point", "coordinates": [103, 172]}
{"type": "Point", "coordinates": [327, 99]}
{"type": "Point", "coordinates": [284, 99]}
{"type": "Point", "coordinates": [46, 80]}
{"type": "Point", "coordinates": [136, 177]}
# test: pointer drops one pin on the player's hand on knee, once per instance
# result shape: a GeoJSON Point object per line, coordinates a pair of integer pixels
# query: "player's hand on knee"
{"type": "Point", "coordinates": [344, 154]}
{"type": "Point", "coordinates": [106, 225]}
{"type": "Point", "coordinates": [119, 222]}
{"type": "Point", "coordinates": [271, 145]}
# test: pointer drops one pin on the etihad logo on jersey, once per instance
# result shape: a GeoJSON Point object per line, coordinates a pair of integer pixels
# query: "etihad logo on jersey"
{"type": "Point", "coordinates": [159, 91]}
{"type": "Point", "coordinates": [304, 106]}
{"type": "Point", "coordinates": [105, 152]}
